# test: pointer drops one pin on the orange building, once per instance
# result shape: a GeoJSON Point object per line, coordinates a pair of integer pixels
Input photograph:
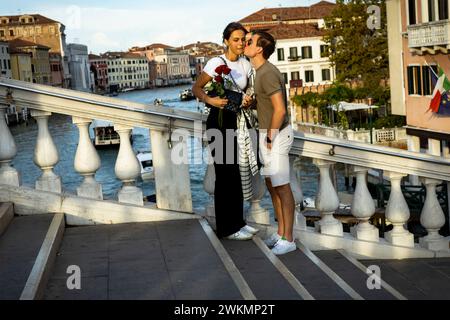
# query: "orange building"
{"type": "Point", "coordinates": [419, 43]}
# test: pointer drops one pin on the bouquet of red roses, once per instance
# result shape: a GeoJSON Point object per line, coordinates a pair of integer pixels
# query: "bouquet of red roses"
{"type": "Point", "coordinates": [221, 87]}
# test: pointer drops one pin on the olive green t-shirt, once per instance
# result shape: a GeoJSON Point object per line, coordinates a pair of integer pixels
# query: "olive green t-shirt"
{"type": "Point", "coordinates": [268, 80]}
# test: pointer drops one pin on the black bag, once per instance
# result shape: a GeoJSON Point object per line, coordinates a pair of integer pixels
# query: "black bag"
{"type": "Point", "coordinates": [234, 100]}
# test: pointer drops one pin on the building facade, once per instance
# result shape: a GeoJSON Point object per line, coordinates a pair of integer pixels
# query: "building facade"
{"type": "Point", "coordinates": [299, 55]}
{"type": "Point", "coordinates": [40, 30]}
{"type": "Point", "coordinates": [418, 46]}
{"type": "Point", "coordinates": [127, 70]}
{"type": "Point", "coordinates": [40, 61]}
{"type": "Point", "coordinates": [5, 60]}
{"type": "Point", "coordinates": [99, 69]}
{"type": "Point", "coordinates": [21, 66]}
{"type": "Point", "coordinates": [79, 67]}
{"type": "Point", "coordinates": [56, 67]}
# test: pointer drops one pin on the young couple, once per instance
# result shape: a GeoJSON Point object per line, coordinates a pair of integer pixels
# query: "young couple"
{"type": "Point", "coordinates": [275, 135]}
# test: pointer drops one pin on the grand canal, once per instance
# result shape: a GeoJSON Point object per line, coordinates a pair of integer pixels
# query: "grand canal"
{"type": "Point", "coordinates": [65, 136]}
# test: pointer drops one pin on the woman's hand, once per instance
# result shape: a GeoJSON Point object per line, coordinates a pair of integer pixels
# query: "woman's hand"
{"type": "Point", "coordinates": [217, 102]}
{"type": "Point", "coordinates": [247, 101]}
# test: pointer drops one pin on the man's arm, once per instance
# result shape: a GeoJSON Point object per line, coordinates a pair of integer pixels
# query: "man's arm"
{"type": "Point", "coordinates": [279, 113]}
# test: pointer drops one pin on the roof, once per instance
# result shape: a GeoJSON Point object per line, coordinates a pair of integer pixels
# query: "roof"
{"type": "Point", "coordinates": [347, 106]}
{"type": "Point", "coordinates": [152, 46]}
{"type": "Point", "coordinates": [316, 11]}
{"type": "Point", "coordinates": [122, 55]}
{"type": "Point", "coordinates": [20, 43]}
{"type": "Point", "coordinates": [295, 31]}
{"type": "Point", "coordinates": [38, 19]}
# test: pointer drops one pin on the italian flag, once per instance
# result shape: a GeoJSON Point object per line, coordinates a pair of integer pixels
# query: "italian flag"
{"type": "Point", "coordinates": [442, 86]}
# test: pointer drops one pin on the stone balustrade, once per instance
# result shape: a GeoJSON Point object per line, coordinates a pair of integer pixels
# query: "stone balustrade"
{"type": "Point", "coordinates": [324, 151]}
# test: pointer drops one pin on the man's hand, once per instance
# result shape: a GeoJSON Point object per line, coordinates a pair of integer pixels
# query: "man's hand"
{"type": "Point", "coordinates": [247, 101]}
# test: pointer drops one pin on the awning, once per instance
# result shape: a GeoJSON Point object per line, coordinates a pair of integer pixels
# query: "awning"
{"type": "Point", "coordinates": [347, 106]}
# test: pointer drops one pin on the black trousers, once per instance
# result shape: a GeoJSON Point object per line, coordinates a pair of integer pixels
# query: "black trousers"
{"type": "Point", "coordinates": [228, 197]}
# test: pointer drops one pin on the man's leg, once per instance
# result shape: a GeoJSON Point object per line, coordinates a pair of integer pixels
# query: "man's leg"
{"type": "Point", "coordinates": [284, 193]}
{"type": "Point", "coordinates": [276, 201]}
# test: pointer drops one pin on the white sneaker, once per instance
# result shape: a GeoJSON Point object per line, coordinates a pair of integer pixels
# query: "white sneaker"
{"type": "Point", "coordinates": [283, 246]}
{"type": "Point", "coordinates": [249, 229]}
{"type": "Point", "coordinates": [270, 241]}
{"type": "Point", "coordinates": [240, 235]}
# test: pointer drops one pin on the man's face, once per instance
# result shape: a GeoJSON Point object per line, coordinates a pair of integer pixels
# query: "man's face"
{"type": "Point", "coordinates": [251, 49]}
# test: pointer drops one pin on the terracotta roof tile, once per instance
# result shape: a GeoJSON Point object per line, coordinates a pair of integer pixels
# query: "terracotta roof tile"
{"type": "Point", "coordinates": [38, 19]}
{"type": "Point", "coordinates": [294, 31]}
{"type": "Point", "coordinates": [316, 11]}
{"type": "Point", "coordinates": [19, 43]}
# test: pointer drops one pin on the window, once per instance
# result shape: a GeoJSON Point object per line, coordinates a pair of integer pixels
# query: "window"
{"type": "Point", "coordinates": [326, 76]}
{"type": "Point", "coordinates": [280, 53]}
{"type": "Point", "coordinates": [323, 50]}
{"type": "Point", "coordinates": [11, 33]}
{"type": "Point", "coordinates": [309, 76]}
{"type": "Point", "coordinates": [9, 64]}
{"type": "Point", "coordinates": [414, 83]}
{"type": "Point", "coordinates": [293, 53]}
{"type": "Point", "coordinates": [412, 11]}
{"type": "Point", "coordinates": [285, 77]}
{"type": "Point", "coordinates": [429, 78]}
{"type": "Point", "coordinates": [295, 75]}
{"type": "Point", "coordinates": [307, 52]}
{"type": "Point", "coordinates": [431, 10]}
{"type": "Point", "coordinates": [443, 9]}
{"type": "Point", "coordinates": [2, 33]}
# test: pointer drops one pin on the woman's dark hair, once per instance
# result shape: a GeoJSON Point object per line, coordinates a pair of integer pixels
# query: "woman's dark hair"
{"type": "Point", "coordinates": [266, 42]}
{"type": "Point", "coordinates": [231, 27]}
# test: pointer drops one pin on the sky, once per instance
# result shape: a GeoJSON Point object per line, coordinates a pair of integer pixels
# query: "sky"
{"type": "Point", "coordinates": [119, 25]}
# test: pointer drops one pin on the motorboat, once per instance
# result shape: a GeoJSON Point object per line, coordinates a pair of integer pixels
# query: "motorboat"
{"type": "Point", "coordinates": [104, 134]}
{"type": "Point", "coordinates": [158, 102]}
{"type": "Point", "coordinates": [186, 95]}
{"type": "Point", "coordinates": [146, 162]}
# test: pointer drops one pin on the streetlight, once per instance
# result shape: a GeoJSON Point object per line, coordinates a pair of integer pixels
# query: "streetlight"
{"type": "Point", "coordinates": [370, 118]}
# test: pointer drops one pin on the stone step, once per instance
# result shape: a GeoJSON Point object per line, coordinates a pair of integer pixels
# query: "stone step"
{"type": "Point", "coordinates": [352, 275]}
{"type": "Point", "coordinates": [262, 276]}
{"type": "Point", "coordinates": [417, 279]}
{"type": "Point", "coordinates": [6, 215]}
{"type": "Point", "coordinates": [19, 248]}
{"type": "Point", "coordinates": [155, 260]}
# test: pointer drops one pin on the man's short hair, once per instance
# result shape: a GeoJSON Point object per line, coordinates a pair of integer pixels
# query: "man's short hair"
{"type": "Point", "coordinates": [266, 42]}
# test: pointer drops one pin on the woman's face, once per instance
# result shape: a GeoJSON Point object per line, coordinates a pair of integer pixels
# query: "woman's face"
{"type": "Point", "coordinates": [236, 42]}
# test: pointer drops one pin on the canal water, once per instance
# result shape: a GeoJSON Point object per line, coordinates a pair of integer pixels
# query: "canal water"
{"type": "Point", "coordinates": [65, 136]}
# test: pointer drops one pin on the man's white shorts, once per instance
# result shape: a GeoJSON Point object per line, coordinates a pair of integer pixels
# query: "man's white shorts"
{"type": "Point", "coordinates": [276, 161]}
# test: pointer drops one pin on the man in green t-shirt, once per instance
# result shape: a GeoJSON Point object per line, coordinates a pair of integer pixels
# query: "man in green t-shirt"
{"type": "Point", "coordinates": [276, 137]}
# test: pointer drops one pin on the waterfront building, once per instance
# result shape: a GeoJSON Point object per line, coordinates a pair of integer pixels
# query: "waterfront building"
{"type": "Point", "coordinates": [99, 69]}
{"type": "Point", "coordinates": [21, 65]}
{"type": "Point", "coordinates": [40, 61]}
{"type": "Point", "coordinates": [199, 54]}
{"type": "Point", "coordinates": [41, 30]}
{"type": "Point", "coordinates": [418, 47]}
{"type": "Point", "coordinates": [5, 60]}
{"type": "Point", "coordinates": [79, 67]}
{"type": "Point", "coordinates": [127, 70]}
{"type": "Point", "coordinates": [56, 68]}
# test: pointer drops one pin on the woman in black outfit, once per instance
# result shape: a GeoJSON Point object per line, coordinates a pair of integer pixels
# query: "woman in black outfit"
{"type": "Point", "coordinates": [228, 198]}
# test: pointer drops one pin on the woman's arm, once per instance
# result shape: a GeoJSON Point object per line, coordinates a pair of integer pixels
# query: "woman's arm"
{"type": "Point", "coordinates": [197, 89]}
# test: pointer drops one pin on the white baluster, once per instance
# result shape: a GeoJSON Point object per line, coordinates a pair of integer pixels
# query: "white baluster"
{"type": "Point", "coordinates": [127, 169]}
{"type": "Point", "coordinates": [432, 218]}
{"type": "Point", "coordinates": [327, 201]}
{"type": "Point", "coordinates": [397, 212]}
{"type": "Point", "coordinates": [363, 208]}
{"type": "Point", "coordinates": [46, 155]}
{"type": "Point", "coordinates": [87, 161]}
{"type": "Point", "coordinates": [258, 214]}
{"type": "Point", "coordinates": [209, 186]}
{"type": "Point", "coordinates": [8, 150]}
{"type": "Point", "coordinates": [295, 165]}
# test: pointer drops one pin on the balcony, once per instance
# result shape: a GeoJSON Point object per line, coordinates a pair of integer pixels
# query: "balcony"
{"type": "Point", "coordinates": [294, 58]}
{"type": "Point", "coordinates": [430, 37]}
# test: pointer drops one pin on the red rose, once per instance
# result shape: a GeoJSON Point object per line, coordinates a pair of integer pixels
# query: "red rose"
{"type": "Point", "coordinates": [219, 69]}
{"type": "Point", "coordinates": [218, 79]}
{"type": "Point", "coordinates": [226, 70]}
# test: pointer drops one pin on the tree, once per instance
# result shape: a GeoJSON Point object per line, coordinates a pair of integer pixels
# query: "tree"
{"type": "Point", "coordinates": [359, 53]}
